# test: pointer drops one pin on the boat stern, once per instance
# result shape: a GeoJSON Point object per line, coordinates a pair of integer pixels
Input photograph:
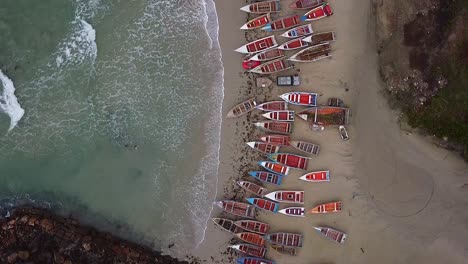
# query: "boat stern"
{"type": "Point", "coordinates": [242, 49]}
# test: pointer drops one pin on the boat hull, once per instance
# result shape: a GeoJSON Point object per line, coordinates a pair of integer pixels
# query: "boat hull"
{"type": "Point", "coordinates": [252, 188]}
{"type": "Point", "coordinates": [316, 176]}
{"type": "Point", "coordinates": [267, 177]}
{"type": "Point", "coordinates": [299, 31]}
{"type": "Point", "coordinates": [306, 147]}
{"type": "Point", "coordinates": [253, 226]}
{"type": "Point", "coordinates": [258, 45]}
{"type": "Point", "coordinates": [275, 167]}
{"type": "Point", "coordinates": [285, 239]}
{"type": "Point", "coordinates": [286, 196]}
{"type": "Point", "coordinates": [280, 140]}
{"type": "Point", "coordinates": [300, 98]}
{"type": "Point", "coordinates": [264, 147]}
{"type": "Point", "coordinates": [285, 116]}
{"type": "Point", "coordinates": [237, 208]}
{"type": "Point", "coordinates": [273, 106]}
{"type": "Point", "coordinates": [326, 208]}
{"type": "Point", "coordinates": [318, 13]}
{"type": "Point", "coordinates": [262, 7]}
{"type": "Point", "coordinates": [257, 22]}
{"type": "Point", "coordinates": [251, 238]}
{"type": "Point", "coordinates": [251, 250]}
{"type": "Point", "coordinates": [264, 204]}
{"type": "Point", "coordinates": [293, 211]}
{"type": "Point", "coordinates": [331, 234]}
{"type": "Point", "coordinates": [242, 108]}
{"type": "Point", "coordinates": [275, 127]}
{"type": "Point", "coordinates": [290, 160]}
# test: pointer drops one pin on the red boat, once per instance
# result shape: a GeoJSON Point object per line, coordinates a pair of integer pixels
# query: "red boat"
{"type": "Point", "coordinates": [264, 147]}
{"type": "Point", "coordinates": [267, 177]}
{"type": "Point", "coordinates": [306, 4]}
{"type": "Point", "coordinates": [280, 115]}
{"type": "Point", "coordinates": [299, 31]}
{"type": "Point", "coordinates": [300, 98]}
{"type": "Point", "coordinates": [280, 140]}
{"type": "Point", "coordinates": [285, 239]}
{"type": "Point", "coordinates": [318, 13]}
{"type": "Point", "coordinates": [332, 207]}
{"type": "Point", "coordinates": [250, 64]}
{"type": "Point", "coordinates": [251, 250]}
{"type": "Point", "coordinates": [252, 187]}
{"type": "Point", "coordinates": [283, 23]}
{"type": "Point", "coordinates": [251, 238]}
{"type": "Point", "coordinates": [331, 234]}
{"type": "Point", "coordinates": [293, 44]}
{"type": "Point", "coordinates": [262, 7]}
{"type": "Point", "coordinates": [287, 196]}
{"type": "Point", "coordinates": [251, 260]}
{"type": "Point", "coordinates": [275, 167]}
{"type": "Point", "coordinates": [326, 115]}
{"type": "Point", "coordinates": [290, 160]}
{"type": "Point", "coordinates": [267, 55]}
{"type": "Point", "coordinates": [275, 127]}
{"type": "Point", "coordinates": [257, 22]}
{"type": "Point", "coordinates": [253, 226]}
{"type": "Point", "coordinates": [237, 208]}
{"type": "Point", "coordinates": [273, 66]}
{"type": "Point", "coordinates": [316, 176]}
{"type": "Point", "coordinates": [293, 211]}
{"type": "Point", "coordinates": [264, 204]}
{"type": "Point", "coordinates": [306, 147]}
{"type": "Point", "coordinates": [258, 45]}
{"type": "Point", "coordinates": [273, 106]}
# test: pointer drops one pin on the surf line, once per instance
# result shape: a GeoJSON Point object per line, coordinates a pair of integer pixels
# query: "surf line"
{"type": "Point", "coordinates": [9, 103]}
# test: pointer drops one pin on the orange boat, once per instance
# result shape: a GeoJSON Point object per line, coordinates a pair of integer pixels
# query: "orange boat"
{"type": "Point", "coordinates": [275, 167]}
{"type": "Point", "coordinates": [316, 176]}
{"type": "Point", "coordinates": [251, 238]}
{"type": "Point", "coordinates": [326, 115]}
{"type": "Point", "coordinates": [331, 207]}
{"type": "Point", "coordinates": [264, 147]}
{"type": "Point", "coordinates": [273, 106]}
{"type": "Point", "coordinates": [257, 22]}
{"type": "Point", "coordinates": [252, 187]}
{"type": "Point", "coordinates": [318, 13]}
{"type": "Point", "coordinates": [253, 226]}
{"type": "Point", "coordinates": [280, 140]}
{"type": "Point", "coordinates": [275, 127]}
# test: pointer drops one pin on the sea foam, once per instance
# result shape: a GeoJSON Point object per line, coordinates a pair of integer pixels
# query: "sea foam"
{"type": "Point", "coordinates": [9, 103]}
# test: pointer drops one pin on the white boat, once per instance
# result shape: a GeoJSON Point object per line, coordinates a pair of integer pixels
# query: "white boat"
{"type": "Point", "coordinates": [293, 211]}
{"type": "Point", "coordinates": [258, 45]}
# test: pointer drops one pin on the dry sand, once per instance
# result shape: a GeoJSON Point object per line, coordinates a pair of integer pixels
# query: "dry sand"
{"type": "Point", "coordinates": [404, 199]}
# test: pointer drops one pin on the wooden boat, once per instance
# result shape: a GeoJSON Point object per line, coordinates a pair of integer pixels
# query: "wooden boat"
{"type": "Point", "coordinates": [251, 250]}
{"type": "Point", "coordinates": [264, 204]}
{"type": "Point", "coordinates": [275, 127]}
{"type": "Point", "coordinates": [326, 115]}
{"type": "Point", "coordinates": [262, 7]}
{"type": "Point", "coordinates": [293, 211]}
{"type": "Point", "coordinates": [316, 176]}
{"type": "Point", "coordinates": [251, 238]}
{"type": "Point", "coordinates": [285, 239]}
{"type": "Point", "coordinates": [306, 4]}
{"type": "Point", "coordinates": [273, 106]}
{"type": "Point", "coordinates": [267, 177]}
{"type": "Point", "coordinates": [273, 66]}
{"type": "Point", "coordinates": [264, 147]}
{"type": "Point", "coordinates": [320, 38]}
{"type": "Point", "coordinates": [250, 64]}
{"type": "Point", "coordinates": [257, 22]}
{"type": "Point", "coordinates": [300, 98]}
{"type": "Point", "coordinates": [258, 45]}
{"type": "Point", "coordinates": [290, 160]}
{"type": "Point", "coordinates": [286, 196]}
{"type": "Point", "coordinates": [293, 44]}
{"type": "Point", "coordinates": [331, 207]}
{"type": "Point", "coordinates": [267, 55]}
{"type": "Point", "coordinates": [280, 140]}
{"type": "Point", "coordinates": [242, 108]}
{"type": "Point", "coordinates": [253, 226]}
{"type": "Point", "coordinates": [306, 147]}
{"type": "Point", "coordinates": [299, 31]}
{"type": "Point", "coordinates": [251, 260]}
{"type": "Point", "coordinates": [275, 167]}
{"type": "Point", "coordinates": [226, 225]}
{"type": "Point", "coordinates": [314, 53]}
{"type": "Point", "coordinates": [283, 23]}
{"type": "Point", "coordinates": [292, 251]}
{"type": "Point", "coordinates": [284, 115]}
{"type": "Point", "coordinates": [237, 208]}
{"type": "Point", "coordinates": [318, 12]}
{"type": "Point", "coordinates": [331, 234]}
{"type": "Point", "coordinates": [252, 187]}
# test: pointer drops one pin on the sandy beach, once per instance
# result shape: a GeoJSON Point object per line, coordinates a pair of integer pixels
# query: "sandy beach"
{"type": "Point", "coordinates": [404, 198]}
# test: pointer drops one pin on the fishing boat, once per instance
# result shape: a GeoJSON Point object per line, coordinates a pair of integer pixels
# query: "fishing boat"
{"type": "Point", "coordinates": [251, 260]}
{"type": "Point", "coordinates": [267, 55]}
{"type": "Point", "coordinates": [298, 31]}
{"type": "Point", "coordinates": [226, 225]}
{"type": "Point", "coordinates": [275, 127]}
{"type": "Point", "coordinates": [292, 251]}
{"type": "Point", "coordinates": [311, 54]}
{"type": "Point", "coordinates": [285, 239]}
{"type": "Point", "coordinates": [284, 115]}
{"type": "Point", "coordinates": [320, 38]}
{"type": "Point", "coordinates": [242, 108]}
{"type": "Point", "coordinates": [249, 64]}
{"type": "Point", "coordinates": [331, 207]}
{"type": "Point", "coordinates": [316, 176]}
{"type": "Point", "coordinates": [306, 147]}
{"type": "Point", "coordinates": [251, 238]}
{"type": "Point", "coordinates": [257, 22]}
{"type": "Point", "coordinates": [306, 4]}
{"type": "Point", "coordinates": [262, 7]}
{"type": "Point", "coordinates": [251, 250]}
{"type": "Point", "coordinates": [283, 23]}
{"type": "Point", "coordinates": [275, 167]}
{"type": "Point", "coordinates": [290, 160]}
{"type": "Point", "coordinates": [273, 106]}
{"type": "Point", "coordinates": [331, 234]}
{"type": "Point", "coordinates": [286, 196]}
{"type": "Point", "coordinates": [237, 208]}
{"type": "Point", "coordinates": [293, 44]}
{"type": "Point", "coordinates": [258, 45]}
{"type": "Point", "coordinates": [264, 147]}
{"type": "Point", "coordinates": [273, 66]}
{"type": "Point", "coordinates": [280, 140]}
{"type": "Point", "coordinates": [267, 177]}
{"type": "Point", "coordinates": [253, 226]}
{"type": "Point", "coordinates": [264, 204]}
{"type": "Point", "coordinates": [293, 211]}
{"type": "Point", "coordinates": [300, 98]}
{"type": "Point", "coordinates": [326, 115]}
{"type": "Point", "coordinates": [252, 187]}
{"type": "Point", "coordinates": [318, 12]}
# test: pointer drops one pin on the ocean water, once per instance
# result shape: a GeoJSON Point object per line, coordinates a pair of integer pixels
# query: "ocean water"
{"type": "Point", "coordinates": [111, 111]}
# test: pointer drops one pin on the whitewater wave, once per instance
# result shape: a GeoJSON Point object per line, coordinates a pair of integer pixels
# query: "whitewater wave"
{"type": "Point", "coordinates": [9, 103]}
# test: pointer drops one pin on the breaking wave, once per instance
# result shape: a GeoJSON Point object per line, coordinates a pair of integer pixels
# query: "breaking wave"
{"type": "Point", "coordinates": [9, 103]}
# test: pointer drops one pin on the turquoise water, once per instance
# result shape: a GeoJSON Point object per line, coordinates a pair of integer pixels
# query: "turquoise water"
{"type": "Point", "coordinates": [121, 116]}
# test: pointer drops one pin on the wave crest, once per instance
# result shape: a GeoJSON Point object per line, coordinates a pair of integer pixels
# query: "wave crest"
{"type": "Point", "coordinates": [9, 103]}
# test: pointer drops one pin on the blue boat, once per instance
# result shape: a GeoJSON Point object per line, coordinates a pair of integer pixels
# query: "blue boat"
{"type": "Point", "coordinates": [252, 260]}
{"type": "Point", "coordinates": [267, 177]}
